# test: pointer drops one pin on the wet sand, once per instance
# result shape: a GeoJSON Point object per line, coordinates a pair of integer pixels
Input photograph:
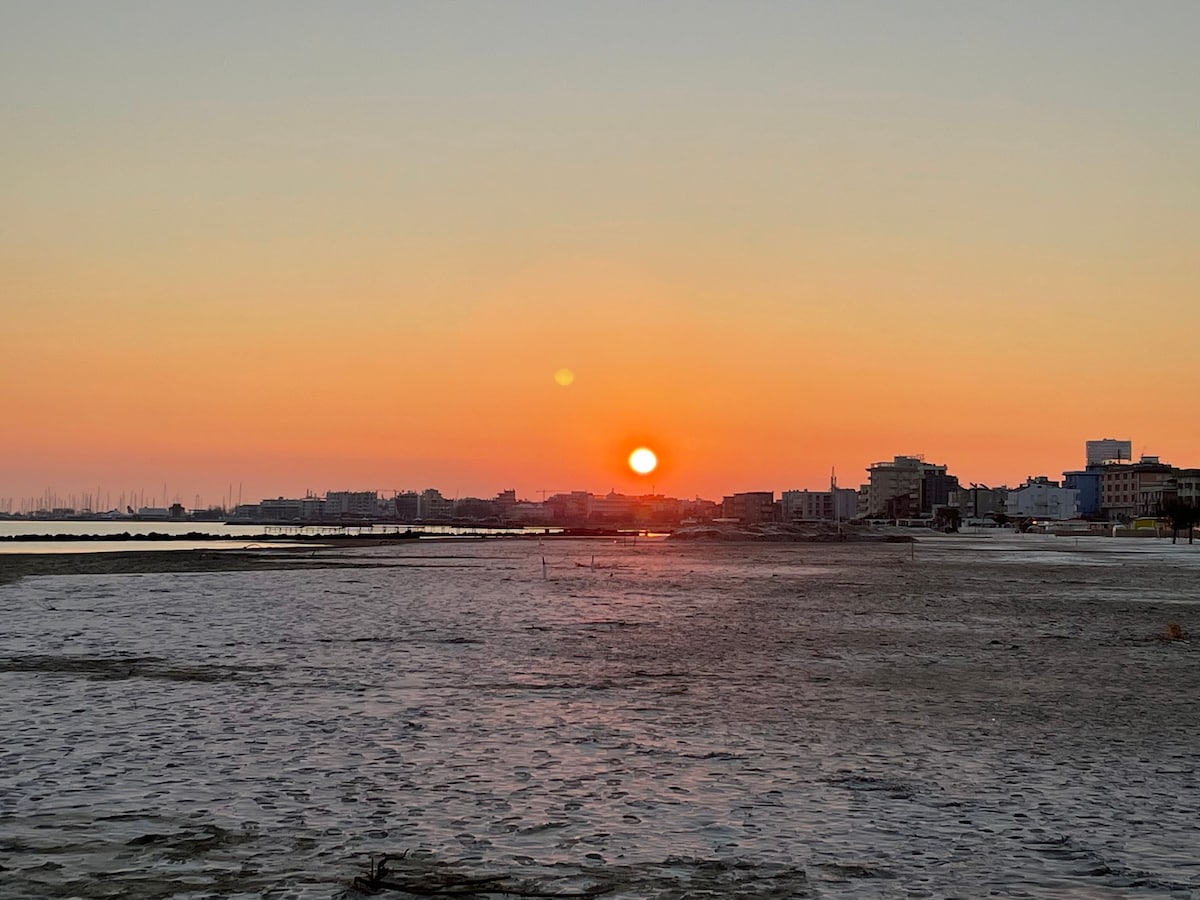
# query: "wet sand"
{"type": "Point", "coordinates": [14, 566]}
{"type": "Point", "coordinates": [955, 719]}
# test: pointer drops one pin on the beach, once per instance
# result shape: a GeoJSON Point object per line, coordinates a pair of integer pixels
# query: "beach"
{"type": "Point", "coordinates": [958, 717]}
{"type": "Point", "coordinates": [14, 566]}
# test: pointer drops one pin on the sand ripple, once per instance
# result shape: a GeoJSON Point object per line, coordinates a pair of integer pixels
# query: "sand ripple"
{"type": "Point", "coordinates": [676, 722]}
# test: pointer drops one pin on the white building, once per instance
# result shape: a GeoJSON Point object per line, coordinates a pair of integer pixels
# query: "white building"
{"type": "Point", "coordinates": [281, 509]}
{"type": "Point", "coordinates": [351, 503]}
{"type": "Point", "coordinates": [818, 506]}
{"type": "Point", "coordinates": [432, 505]}
{"type": "Point", "coordinates": [1041, 498]}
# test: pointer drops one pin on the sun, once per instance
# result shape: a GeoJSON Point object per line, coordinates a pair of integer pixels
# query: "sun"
{"type": "Point", "coordinates": [642, 460]}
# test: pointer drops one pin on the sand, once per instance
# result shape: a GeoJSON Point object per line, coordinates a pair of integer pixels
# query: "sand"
{"type": "Point", "coordinates": [952, 719]}
{"type": "Point", "coordinates": [14, 566]}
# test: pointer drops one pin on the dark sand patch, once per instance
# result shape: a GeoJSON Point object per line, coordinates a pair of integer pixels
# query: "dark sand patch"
{"type": "Point", "coordinates": [118, 667]}
{"type": "Point", "coordinates": [14, 566]}
{"type": "Point", "coordinates": [676, 878]}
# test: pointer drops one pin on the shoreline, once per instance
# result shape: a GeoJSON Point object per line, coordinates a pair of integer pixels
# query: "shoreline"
{"type": "Point", "coordinates": [165, 537]}
{"type": "Point", "coordinates": [15, 566]}
{"type": "Point", "coordinates": [340, 538]}
{"type": "Point", "coordinates": [286, 555]}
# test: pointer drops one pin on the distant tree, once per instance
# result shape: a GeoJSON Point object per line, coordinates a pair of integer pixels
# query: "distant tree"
{"type": "Point", "coordinates": [1182, 517]}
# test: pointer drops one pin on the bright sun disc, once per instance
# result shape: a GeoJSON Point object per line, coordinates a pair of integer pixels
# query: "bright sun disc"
{"type": "Point", "coordinates": [642, 460]}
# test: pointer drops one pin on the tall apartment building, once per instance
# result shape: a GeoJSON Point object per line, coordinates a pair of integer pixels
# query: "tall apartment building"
{"type": "Point", "coordinates": [1108, 450]}
{"type": "Point", "coordinates": [908, 487]}
{"type": "Point", "coordinates": [1137, 489]}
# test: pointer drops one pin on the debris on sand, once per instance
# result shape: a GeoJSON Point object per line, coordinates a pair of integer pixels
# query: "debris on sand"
{"type": "Point", "coordinates": [423, 875]}
{"type": "Point", "coordinates": [677, 878]}
{"type": "Point", "coordinates": [1173, 632]}
{"type": "Point", "coordinates": [815, 532]}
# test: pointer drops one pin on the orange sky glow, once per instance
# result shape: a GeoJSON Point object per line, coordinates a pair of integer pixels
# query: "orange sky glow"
{"type": "Point", "coordinates": [295, 257]}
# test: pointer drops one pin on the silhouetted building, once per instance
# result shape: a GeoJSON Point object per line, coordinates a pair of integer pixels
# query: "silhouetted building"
{"type": "Point", "coordinates": [506, 502]}
{"type": "Point", "coordinates": [408, 506]}
{"type": "Point", "coordinates": [1187, 486]}
{"type": "Point", "coordinates": [526, 512]}
{"type": "Point", "coordinates": [908, 487]}
{"type": "Point", "coordinates": [432, 506]}
{"type": "Point", "coordinates": [979, 501]}
{"type": "Point", "coordinates": [699, 510]}
{"type": "Point", "coordinates": [936, 487]}
{"type": "Point", "coordinates": [1108, 450]}
{"type": "Point", "coordinates": [474, 509]}
{"type": "Point", "coordinates": [573, 507]}
{"type": "Point", "coordinates": [750, 507]}
{"type": "Point", "coordinates": [351, 504]}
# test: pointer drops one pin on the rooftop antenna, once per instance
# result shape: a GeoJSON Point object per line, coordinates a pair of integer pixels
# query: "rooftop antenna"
{"type": "Point", "coordinates": [833, 497]}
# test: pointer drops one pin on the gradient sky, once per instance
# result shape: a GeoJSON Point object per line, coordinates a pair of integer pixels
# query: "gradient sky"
{"type": "Point", "coordinates": [327, 246]}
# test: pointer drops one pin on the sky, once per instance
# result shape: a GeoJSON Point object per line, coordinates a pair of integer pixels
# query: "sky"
{"type": "Point", "coordinates": [294, 246]}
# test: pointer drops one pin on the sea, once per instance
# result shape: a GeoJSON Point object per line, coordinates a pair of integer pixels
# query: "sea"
{"type": "Point", "coordinates": [109, 535]}
{"type": "Point", "coordinates": [1012, 716]}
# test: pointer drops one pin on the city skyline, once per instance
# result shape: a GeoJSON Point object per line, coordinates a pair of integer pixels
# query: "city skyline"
{"type": "Point", "coordinates": [1107, 450]}
{"type": "Point", "coordinates": [294, 245]}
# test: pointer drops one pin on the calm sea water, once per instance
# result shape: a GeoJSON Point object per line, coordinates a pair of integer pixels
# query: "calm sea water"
{"type": "Point", "coordinates": [962, 719]}
{"type": "Point", "coordinates": [228, 537]}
